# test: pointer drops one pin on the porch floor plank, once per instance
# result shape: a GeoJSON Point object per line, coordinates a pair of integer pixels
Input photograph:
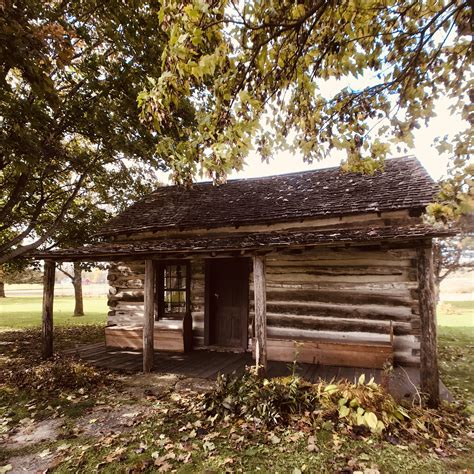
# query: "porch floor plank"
{"type": "Point", "coordinates": [236, 366]}
{"type": "Point", "coordinates": [321, 371]}
{"type": "Point", "coordinates": [89, 347]}
{"type": "Point", "coordinates": [347, 373]}
{"type": "Point", "coordinates": [211, 369]}
{"type": "Point", "coordinates": [89, 352]}
{"type": "Point", "coordinates": [306, 371]}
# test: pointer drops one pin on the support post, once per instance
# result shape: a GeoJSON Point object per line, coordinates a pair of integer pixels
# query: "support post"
{"type": "Point", "coordinates": [207, 303]}
{"type": "Point", "coordinates": [149, 316]}
{"type": "Point", "coordinates": [429, 375]}
{"type": "Point", "coordinates": [260, 301]}
{"type": "Point", "coordinates": [48, 298]}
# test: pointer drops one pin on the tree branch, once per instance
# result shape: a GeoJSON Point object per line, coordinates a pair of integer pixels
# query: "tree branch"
{"type": "Point", "coordinates": [61, 269]}
{"type": "Point", "coordinates": [14, 196]}
{"type": "Point", "coordinates": [22, 250]}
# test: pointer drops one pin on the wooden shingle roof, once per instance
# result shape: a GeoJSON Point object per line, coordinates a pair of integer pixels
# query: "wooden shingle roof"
{"type": "Point", "coordinates": [404, 184]}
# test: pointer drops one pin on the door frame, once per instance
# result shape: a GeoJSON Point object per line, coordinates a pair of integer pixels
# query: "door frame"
{"type": "Point", "coordinates": [209, 310]}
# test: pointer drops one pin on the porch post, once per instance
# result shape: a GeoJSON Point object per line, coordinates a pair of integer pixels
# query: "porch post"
{"type": "Point", "coordinates": [429, 375]}
{"type": "Point", "coordinates": [149, 316]}
{"type": "Point", "coordinates": [47, 317]}
{"type": "Point", "coordinates": [260, 302]}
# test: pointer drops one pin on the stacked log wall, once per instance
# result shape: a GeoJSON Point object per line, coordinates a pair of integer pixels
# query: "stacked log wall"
{"type": "Point", "coordinates": [126, 296]}
{"type": "Point", "coordinates": [345, 294]}
{"type": "Point", "coordinates": [341, 294]}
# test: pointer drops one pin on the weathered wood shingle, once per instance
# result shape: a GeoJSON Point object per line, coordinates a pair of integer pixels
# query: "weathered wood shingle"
{"type": "Point", "coordinates": [404, 184]}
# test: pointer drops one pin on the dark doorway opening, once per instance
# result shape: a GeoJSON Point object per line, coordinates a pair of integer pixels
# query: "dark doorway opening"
{"type": "Point", "coordinates": [227, 302]}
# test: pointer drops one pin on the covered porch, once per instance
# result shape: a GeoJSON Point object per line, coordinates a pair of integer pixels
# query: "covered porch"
{"type": "Point", "coordinates": [258, 254]}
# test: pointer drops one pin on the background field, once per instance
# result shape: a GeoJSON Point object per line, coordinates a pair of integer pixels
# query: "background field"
{"type": "Point", "coordinates": [456, 314]}
{"type": "Point", "coordinates": [25, 311]}
{"type": "Point", "coordinates": [60, 289]}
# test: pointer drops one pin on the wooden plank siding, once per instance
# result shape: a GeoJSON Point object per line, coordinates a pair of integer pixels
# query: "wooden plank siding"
{"type": "Point", "coordinates": [338, 294]}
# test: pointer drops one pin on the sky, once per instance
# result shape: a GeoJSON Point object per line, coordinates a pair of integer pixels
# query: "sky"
{"type": "Point", "coordinates": [435, 164]}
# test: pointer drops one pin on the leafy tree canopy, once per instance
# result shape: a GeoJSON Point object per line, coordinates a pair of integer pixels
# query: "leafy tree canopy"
{"type": "Point", "coordinates": [254, 72]}
{"type": "Point", "coordinates": [71, 138]}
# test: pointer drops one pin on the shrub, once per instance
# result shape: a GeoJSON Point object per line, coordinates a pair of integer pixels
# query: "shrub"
{"type": "Point", "coordinates": [362, 406]}
{"type": "Point", "coordinates": [270, 401]}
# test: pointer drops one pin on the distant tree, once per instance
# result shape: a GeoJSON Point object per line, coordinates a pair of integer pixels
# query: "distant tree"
{"type": "Point", "coordinates": [454, 253]}
{"type": "Point", "coordinates": [70, 73]}
{"type": "Point", "coordinates": [254, 69]}
{"type": "Point", "coordinates": [75, 276]}
{"type": "Point", "coordinates": [83, 222]}
{"type": "Point", "coordinates": [19, 272]}
{"type": "Point", "coordinates": [28, 275]}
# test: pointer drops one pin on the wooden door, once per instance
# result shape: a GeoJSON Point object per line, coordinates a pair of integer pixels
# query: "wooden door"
{"type": "Point", "coordinates": [228, 302]}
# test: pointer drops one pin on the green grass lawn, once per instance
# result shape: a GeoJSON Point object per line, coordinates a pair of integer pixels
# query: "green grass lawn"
{"type": "Point", "coordinates": [25, 311]}
{"type": "Point", "coordinates": [456, 348]}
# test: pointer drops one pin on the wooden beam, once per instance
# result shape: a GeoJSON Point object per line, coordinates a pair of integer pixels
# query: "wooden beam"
{"type": "Point", "coordinates": [48, 298]}
{"type": "Point", "coordinates": [260, 301]}
{"type": "Point", "coordinates": [429, 375]}
{"type": "Point", "coordinates": [149, 316]}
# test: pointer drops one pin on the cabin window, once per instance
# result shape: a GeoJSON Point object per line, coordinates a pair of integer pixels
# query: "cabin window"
{"type": "Point", "coordinates": [173, 290]}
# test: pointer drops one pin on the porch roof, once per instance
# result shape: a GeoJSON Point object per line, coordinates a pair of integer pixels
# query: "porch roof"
{"type": "Point", "coordinates": [246, 242]}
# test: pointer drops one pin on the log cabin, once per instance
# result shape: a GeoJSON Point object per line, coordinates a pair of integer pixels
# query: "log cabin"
{"type": "Point", "coordinates": [322, 267]}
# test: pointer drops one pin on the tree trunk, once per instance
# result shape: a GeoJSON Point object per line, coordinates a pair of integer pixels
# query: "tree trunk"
{"type": "Point", "coordinates": [437, 267]}
{"type": "Point", "coordinates": [77, 283]}
{"type": "Point", "coordinates": [436, 288]}
{"type": "Point", "coordinates": [2, 284]}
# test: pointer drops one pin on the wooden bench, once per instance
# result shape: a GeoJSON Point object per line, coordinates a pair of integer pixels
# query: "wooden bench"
{"type": "Point", "coordinates": [364, 354]}
{"type": "Point", "coordinates": [169, 336]}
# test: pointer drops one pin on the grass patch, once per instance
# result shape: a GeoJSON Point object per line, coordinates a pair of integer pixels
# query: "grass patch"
{"type": "Point", "coordinates": [456, 348]}
{"type": "Point", "coordinates": [25, 311]}
{"type": "Point", "coordinates": [25, 344]}
{"type": "Point", "coordinates": [456, 361]}
{"type": "Point", "coordinates": [175, 437]}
